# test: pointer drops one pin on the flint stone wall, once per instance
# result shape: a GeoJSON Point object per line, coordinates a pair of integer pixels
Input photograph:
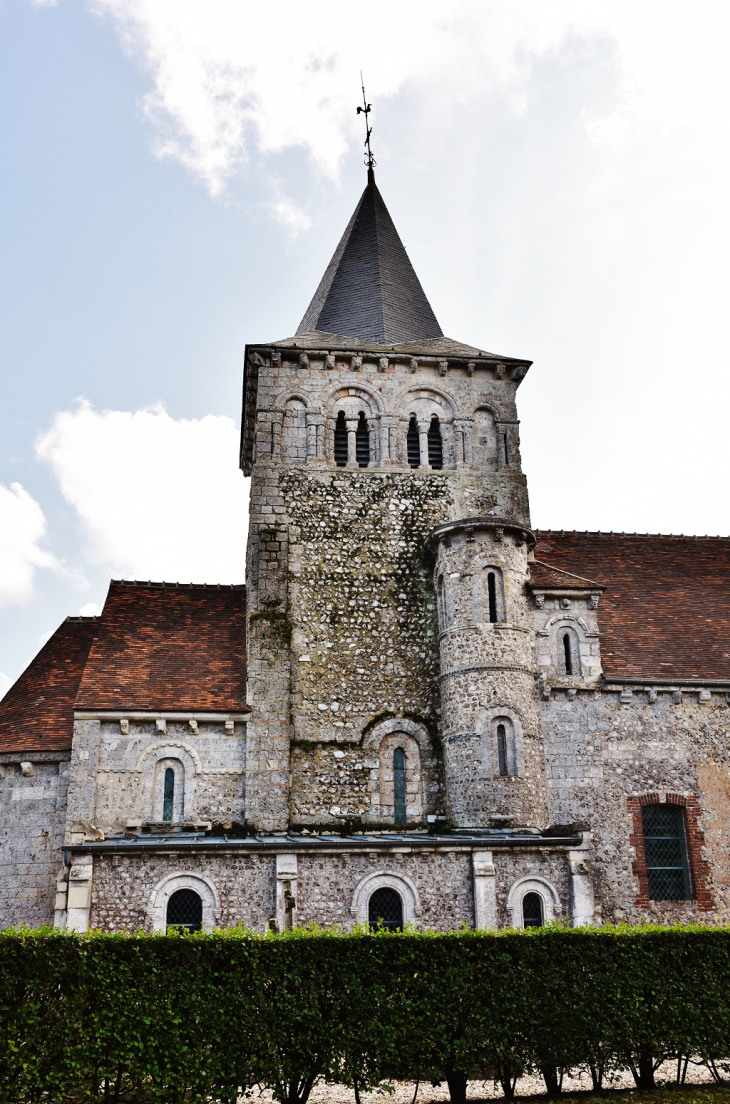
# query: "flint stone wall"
{"type": "Point", "coordinates": [601, 749]}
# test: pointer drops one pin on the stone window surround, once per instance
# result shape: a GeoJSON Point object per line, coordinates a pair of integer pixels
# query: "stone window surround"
{"type": "Point", "coordinates": [385, 737]}
{"type": "Point", "coordinates": [158, 800]}
{"type": "Point", "coordinates": [381, 879]}
{"type": "Point", "coordinates": [546, 891]}
{"type": "Point", "coordinates": [163, 891]}
{"type": "Point", "coordinates": [487, 729]}
{"type": "Point", "coordinates": [699, 868]}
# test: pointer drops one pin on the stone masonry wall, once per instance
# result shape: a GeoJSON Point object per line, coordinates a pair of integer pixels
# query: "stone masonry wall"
{"type": "Point", "coordinates": [32, 815]}
{"type": "Point", "coordinates": [336, 562]}
{"type": "Point", "coordinates": [123, 885]}
{"type": "Point", "coordinates": [604, 747]}
{"type": "Point", "coordinates": [117, 777]}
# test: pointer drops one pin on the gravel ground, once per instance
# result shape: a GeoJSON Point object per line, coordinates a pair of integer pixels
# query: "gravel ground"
{"type": "Point", "coordinates": [403, 1091]}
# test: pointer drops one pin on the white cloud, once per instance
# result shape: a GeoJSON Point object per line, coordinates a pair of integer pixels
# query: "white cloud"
{"type": "Point", "coordinates": [5, 684]}
{"type": "Point", "coordinates": [22, 528]}
{"type": "Point", "coordinates": [91, 609]}
{"type": "Point", "coordinates": [229, 78]}
{"type": "Point", "coordinates": [156, 498]}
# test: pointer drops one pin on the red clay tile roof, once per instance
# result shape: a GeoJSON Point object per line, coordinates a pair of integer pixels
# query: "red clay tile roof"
{"type": "Point", "coordinates": [36, 714]}
{"type": "Point", "coordinates": [666, 611]}
{"type": "Point", "coordinates": [544, 575]}
{"type": "Point", "coordinates": [168, 647]}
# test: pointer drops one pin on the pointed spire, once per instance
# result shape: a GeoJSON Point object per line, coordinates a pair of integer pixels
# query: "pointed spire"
{"type": "Point", "coordinates": [370, 290]}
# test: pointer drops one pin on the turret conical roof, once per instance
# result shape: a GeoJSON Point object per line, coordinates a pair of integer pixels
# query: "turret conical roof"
{"type": "Point", "coordinates": [370, 290]}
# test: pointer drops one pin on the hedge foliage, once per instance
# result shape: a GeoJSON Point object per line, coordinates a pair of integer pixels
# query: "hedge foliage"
{"type": "Point", "coordinates": [163, 1019]}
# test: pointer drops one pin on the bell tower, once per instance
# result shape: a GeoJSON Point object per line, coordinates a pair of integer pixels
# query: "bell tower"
{"type": "Point", "coordinates": [387, 558]}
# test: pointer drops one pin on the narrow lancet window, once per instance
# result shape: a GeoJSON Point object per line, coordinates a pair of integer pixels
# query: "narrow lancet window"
{"type": "Point", "coordinates": [362, 442]}
{"type": "Point", "coordinates": [399, 785]}
{"type": "Point", "coordinates": [506, 450]}
{"type": "Point", "coordinates": [532, 910]}
{"type": "Point", "coordinates": [502, 749]}
{"type": "Point", "coordinates": [435, 445]}
{"type": "Point", "coordinates": [567, 648]}
{"type": "Point", "coordinates": [341, 440]}
{"type": "Point", "coordinates": [492, 594]}
{"type": "Point", "coordinates": [412, 441]}
{"type": "Point", "coordinates": [168, 796]}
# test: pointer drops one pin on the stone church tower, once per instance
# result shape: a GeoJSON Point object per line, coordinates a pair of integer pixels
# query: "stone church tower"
{"type": "Point", "coordinates": [418, 709]}
{"type": "Point", "coordinates": [387, 560]}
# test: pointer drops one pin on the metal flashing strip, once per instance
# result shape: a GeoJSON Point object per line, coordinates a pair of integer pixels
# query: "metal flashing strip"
{"type": "Point", "coordinates": [616, 681]}
{"type": "Point", "coordinates": [482, 841]}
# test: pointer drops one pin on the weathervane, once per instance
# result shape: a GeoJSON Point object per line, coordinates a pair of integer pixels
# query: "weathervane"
{"type": "Point", "coordinates": [365, 110]}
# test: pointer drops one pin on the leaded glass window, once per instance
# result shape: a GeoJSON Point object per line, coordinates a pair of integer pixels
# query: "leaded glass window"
{"type": "Point", "coordinates": [532, 910]}
{"type": "Point", "coordinates": [385, 909]}
{"type": "Point", "coordinates": [399, 785]}
{"type": "Point", "coordinates": [665, 848]}
{"type": "Point", "coordinates": [168, 794]}
{"type": "Point", "coordinates": [185, 910]}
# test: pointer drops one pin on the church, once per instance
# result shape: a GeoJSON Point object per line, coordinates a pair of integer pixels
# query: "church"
{"type": "Point", "coordinates": [418, 711]}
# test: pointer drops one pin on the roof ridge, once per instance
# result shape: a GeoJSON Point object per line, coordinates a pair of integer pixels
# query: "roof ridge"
{"type": "Point", "coordinates": [621, 533]}
{"type": "Point", "coordinates": [570, 574]}
{"type": "Point", "coordinates": [163, 585]}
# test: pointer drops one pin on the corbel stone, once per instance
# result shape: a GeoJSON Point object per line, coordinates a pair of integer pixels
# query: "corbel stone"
{"type": "Point", "coordinates": [539, 600]}
{"type": "Point", "coordinates": [652, 696]}
{"type": "Point", "coordinates": [3, 772]}
{"type": "Point", "coordinates": [498, 535]}
{"type": "Point", "coordinates": [565, 603]}
{"type": "Point", "coordinates": [704, 696]}
{"type": "Point", "coordinates": [626, 696]}
{"type": "Point", "coordinates": [275, 358]}
{"type": "Point", "coordinates": [500, 371]}
{"type": "Point", "coordinates": [161, 725]}
{"type": "Point", "coordinates": [27, 769]}
{"type": "Point", "coordinates": [383, 364]}
{"type": "Point", "coordinates": [193, 725]}
{"type": "Point", "coordinates": [329, 361]}
{"type": "Point", "coordinates": [356, 363]}
{"type": "Point", "coordinates": [593, 601]}
{"type": "Point", "coordinates": [124, 726]}
{"type": "Point", "coordinates": [303, 360]}
{"type": "Point", "coordinates": [443, 367]}
{"type": "Point", "coordinates": [228, 726]}
{"type": "Point", "coordinates": [414, 364]}
{"type": "Point", "coordinates": [677, 697]}
{"type": "Point", "coordinates": [470, 368]}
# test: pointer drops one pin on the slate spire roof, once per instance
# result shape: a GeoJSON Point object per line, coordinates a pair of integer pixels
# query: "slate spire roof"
{"type": "Point", "coordinates": [370, 290]}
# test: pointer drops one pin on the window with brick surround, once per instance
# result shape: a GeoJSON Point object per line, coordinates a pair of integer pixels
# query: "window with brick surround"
{"type": "Point", "coordinates": [658, 865]}
{"type": "Point", "coordinates": [665, 852]}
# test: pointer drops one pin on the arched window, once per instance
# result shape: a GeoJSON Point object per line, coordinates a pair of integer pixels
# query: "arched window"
{"type": "Point", "coordinates": [399, 785]}
{"type": "Point", "coordinates": [665, 848]}
{"type": "Point", "coordinates": [362, 442]}
{"type": "Point", "coordinates": [435, 445]}
{"type": "Point", "coordinates": [502, 749]}
{"type": "Point", "coordinates": [294, 432]}
{"type": "Point", "coordinates": [413, 443]}
{"type": "Point", "coordinates": [532, 910]}
{"type": "Point", "coordinates": [385, 909]}
{"type": "Point", "coordinates": [341, 440]}
{"type": "Point", "coordinates": [185, 910]}
{"type": "Point", "coordinates": [494, 605]}
{"type": "Point", "coordinates": [505, 752]}
{"type": "Point", "coordinates": [568, 652]}
{"type": "Point", "coordinates": [492, 595]}
{"type": "Point", "coordinates": [168, 797]}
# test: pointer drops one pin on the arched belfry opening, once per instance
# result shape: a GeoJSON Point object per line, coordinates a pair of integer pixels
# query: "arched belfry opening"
{"type": "Point", "coordinates": [435, 445]}
{"type": "Point", "coordinates": [341, 440]}
{"type": "Point", "coordinates": [413, 443]}
{"type": "Point", "coordinates": [362, 441]}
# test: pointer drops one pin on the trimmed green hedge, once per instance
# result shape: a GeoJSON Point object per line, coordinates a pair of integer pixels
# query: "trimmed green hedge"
{"type": "Point", "coordinates": [167, 1018]}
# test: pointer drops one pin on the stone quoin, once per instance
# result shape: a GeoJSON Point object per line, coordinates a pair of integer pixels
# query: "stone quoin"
{"type": "Point", "coordinates": [418, 710]}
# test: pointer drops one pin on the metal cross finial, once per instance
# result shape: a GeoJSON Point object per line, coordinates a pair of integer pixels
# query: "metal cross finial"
{"type": "Point", "coordinates": [365, 110]}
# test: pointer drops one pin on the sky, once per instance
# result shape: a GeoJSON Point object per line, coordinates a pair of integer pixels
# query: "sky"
{"type": "Point", "coordinates": [177, 174]}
